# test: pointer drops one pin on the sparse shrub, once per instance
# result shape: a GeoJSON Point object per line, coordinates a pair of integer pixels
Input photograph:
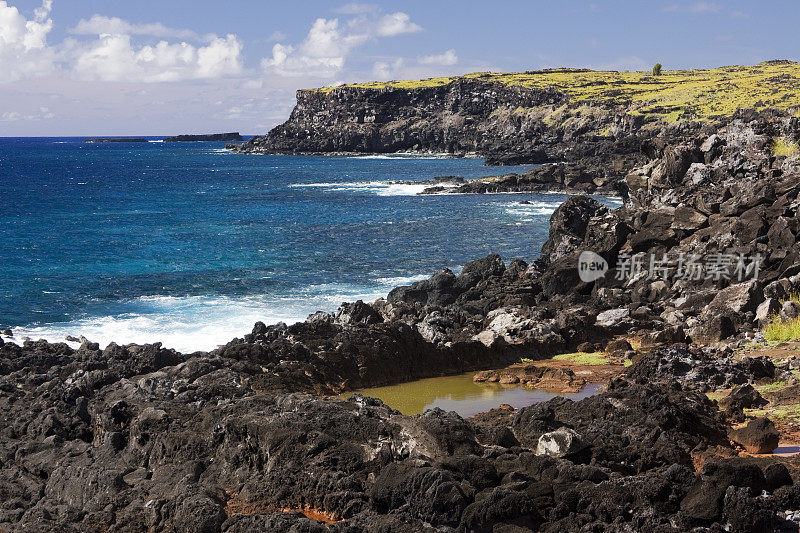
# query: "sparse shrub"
{"type": "Point", "coordinates": [785, 147]}
{"type": "Point", "coordinates": [779, 330]}
{"type": "Point", "coordinates": [657, 69]}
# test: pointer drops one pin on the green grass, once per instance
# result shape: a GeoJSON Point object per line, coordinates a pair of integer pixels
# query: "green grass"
{"type": "Point", "coordinates": [781, 146]}
{"type": "Point", "coordinates": [674, 96]}
{"type": "Point", "coordinates": [779, 330]}
{"type": "Point", "coordinates": [579, 358]}
{"type": "Point", "coordinates": [717, 395]}
{"type": "Point", "coordinates": [771, 387]}
{"type": "Point", "coordinates": [783, 330]}
{"type": "Point", "coordinates": [782, 413]}
{"type": "Point", "coordinates": [526, 361]}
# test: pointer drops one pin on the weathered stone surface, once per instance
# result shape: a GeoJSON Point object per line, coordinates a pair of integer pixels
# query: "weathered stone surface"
{"type": "Point", "coordinates": [758, 436]}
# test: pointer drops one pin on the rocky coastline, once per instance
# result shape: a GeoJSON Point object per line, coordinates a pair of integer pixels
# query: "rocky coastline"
{"type": "Point", "coordinates": [247, 437]}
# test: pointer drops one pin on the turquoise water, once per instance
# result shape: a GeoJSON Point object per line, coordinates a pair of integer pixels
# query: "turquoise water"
{"type": "Point", "coordinates": [187, 244]}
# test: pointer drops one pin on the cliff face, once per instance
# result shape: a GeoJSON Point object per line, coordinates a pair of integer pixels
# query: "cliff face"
{"type": "Point", "coordinates": [503, 122]}
{"type": "Point", "coordinates": [594, 119]}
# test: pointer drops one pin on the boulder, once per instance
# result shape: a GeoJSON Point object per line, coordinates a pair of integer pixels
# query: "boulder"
{"type": "Point", "coordinates": [664, 337]}
{"type": "Point", "coordinates": [790, 310]}
{"type": "Point", "coordinates": [741, 397]}
{"type": "Point", "coordinates": [560, 443]}
{"type": "Point", "coordinates": [738, 298]}
{"type": "Point", "coordinates": [712, 331]}
{"type": "Point", "coordinates": [357, 313]}
{"type": "Point", "coordinates": [766, 309]}
{"type": "Point", "coordinates": [568, 225]}
{"type": "Point", "coordinates": [776, 476]}
{"type": "Point", "coordinates": [618, 346]}
{"type": "Point", "coordinates": [612, 317]}
{"type": "Point", "coordinates": [687, 218]}
{"type": "Point", "coordinates": [759, 436]}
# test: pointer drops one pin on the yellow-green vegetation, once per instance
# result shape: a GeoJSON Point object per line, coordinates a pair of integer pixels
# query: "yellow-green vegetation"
{"type": "Point", "coordinates": [775, 386]}
{"type": "Point", "coordinates": [785, 147]}
{"type": "Point", "coordinates": [579, 358]}
{"type": "Point", "coordinates": [717, 395]}
{"type": "Point", "coordinates": [780, 330]}
{"type": "Point", "coordinates": [782, 412]}
{"type": "Point", "coordinates": [672, 96]}
{"type": "Point", "coordinates": [526, 361]}
{"type": "Point", "coordinates": [627, 363]}
{"type": "Point", "coordinates": [783, 330]}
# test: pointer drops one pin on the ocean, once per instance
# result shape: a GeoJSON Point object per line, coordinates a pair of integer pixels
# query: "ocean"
{"type": "Point", "coordinates": [189, 245]}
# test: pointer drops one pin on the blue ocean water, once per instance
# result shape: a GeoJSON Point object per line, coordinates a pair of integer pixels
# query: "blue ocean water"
{"type": "Point", "coordinates": [189, 245]}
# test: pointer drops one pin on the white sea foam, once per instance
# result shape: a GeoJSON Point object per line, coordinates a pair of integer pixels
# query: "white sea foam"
{"type": "Point", "coordinates": [432, 155]}
{"type": "Point", "coordinates": [401, 280]}
{"type": "Point", "coordinates": [531, 209]}
{"type": "Point", "coordinates": [380, 188]}
{"type": "Point", "coordinates": [194, 323]}
{"type": "Point", "coordinates": [158, 141]}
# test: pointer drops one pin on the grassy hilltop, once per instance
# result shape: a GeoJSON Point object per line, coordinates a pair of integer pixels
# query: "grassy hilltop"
{"type": "Point", "coordinates": [673, 96]}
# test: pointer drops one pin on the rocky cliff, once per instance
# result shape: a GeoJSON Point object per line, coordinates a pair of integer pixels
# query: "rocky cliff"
{"type": "Point", "coordinates": [596, 119]}
{"type": "Point", "coordinates": [504, 123]}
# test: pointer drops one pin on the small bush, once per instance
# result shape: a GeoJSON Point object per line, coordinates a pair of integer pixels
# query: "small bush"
{"type": "Point", "coordinates": [657, 69]}
{"type": "Point", "coordinates": [782, 331]}
{"type": "Point", "coordinates": [785, 147]}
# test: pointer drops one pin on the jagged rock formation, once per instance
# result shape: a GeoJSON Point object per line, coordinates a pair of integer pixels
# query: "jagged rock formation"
{"type": "Point", "coordinates": [138, 438]}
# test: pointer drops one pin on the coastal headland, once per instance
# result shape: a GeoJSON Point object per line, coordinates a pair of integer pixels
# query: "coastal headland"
{"type": "Point", "coordinates": [690, 307]}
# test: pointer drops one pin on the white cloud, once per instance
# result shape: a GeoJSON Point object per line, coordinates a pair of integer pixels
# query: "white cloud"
{"type": "Point", "coordinates": [23, 43]}
{"type": "Point", "coordinates": [384, 70]}
{"type": "Point", "coordinates": [322, 53]}
{"type": "Point", "coordinates": [99, 25]}
{"type": "Point", "coordinates": [325, 49]}
{"type": "Point", "coordinates": [704, 7]}
{"type": "Point", "coordinates": [354, 8]}
{"type": "Point", "coordinates": [396, 24]}
{"type": "Point", "coordinates": [697, 7]}
{"type": "Point", "coordinates": [115, 58]}
{"type": "Point", "coordinates": [43, 113]}
{"type": "Point", "coordinates": [739, 15]}
{"type": "Point", "coordinates": [277, 35]}
{"type": "Point", "coordinates": [445, 59]}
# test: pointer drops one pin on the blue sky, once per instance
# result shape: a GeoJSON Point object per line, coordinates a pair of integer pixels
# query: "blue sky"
{"type": "Point", "coordinates": [81, 67]}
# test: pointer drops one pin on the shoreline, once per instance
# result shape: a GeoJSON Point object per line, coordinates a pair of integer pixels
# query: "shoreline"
{"type": "Point", "coordinates": [680, 439]}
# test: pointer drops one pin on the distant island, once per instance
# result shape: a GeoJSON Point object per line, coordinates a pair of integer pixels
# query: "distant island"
{"type": "Point", "coordinates": [220, 137]}
{"type": "Point", "coordinates": [116, 140]}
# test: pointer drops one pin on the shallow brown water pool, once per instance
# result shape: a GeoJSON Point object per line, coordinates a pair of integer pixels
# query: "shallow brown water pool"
{"type": "Point", "coordinates": [462, 395]}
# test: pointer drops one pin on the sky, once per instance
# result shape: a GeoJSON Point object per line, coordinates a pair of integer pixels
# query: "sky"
{"type": "Point", "coordinates": [113, 67]}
